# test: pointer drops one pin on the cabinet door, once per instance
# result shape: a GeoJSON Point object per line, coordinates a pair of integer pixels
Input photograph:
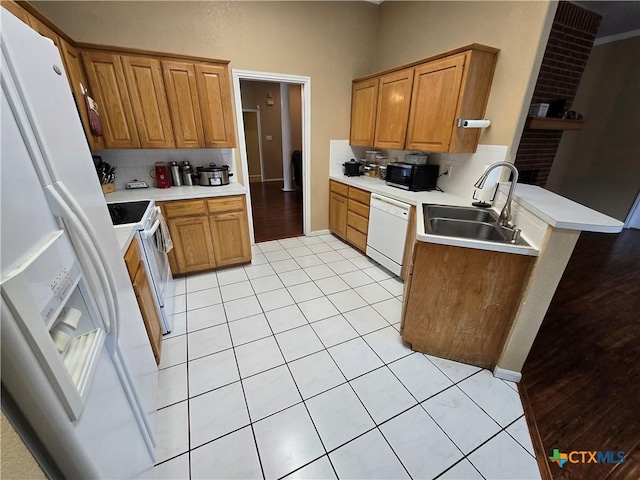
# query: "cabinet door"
{"type": "Point", "coordinates": [44, 30]}
{"type": "Point", "coordinates": [364, 98]}
{"type": "Point", "coordinates": [230, 233]}
{"type": "Point", "coordinates": [184, 105]}
{"type": "Point", "coordinates": [433, 105]}
{"type": "Point", "coordinates": [214, 94]}
{"type": "Point", "coordinates": [392, 113]}
{"type": "Point", "coordinates": [78, 81]}
{"type": "Point", "coordinates": [192, 244]}
{"type": "Point", "coordinates": [338, 215]}
{"type": "Point", "coordinates": [16, 10]}
{"type": "Point", "coordinates": [107, 82]}
{"type": "Point", "coordinates": [142, 288]}
{"type": "Point", "coordinates": [149, 102]}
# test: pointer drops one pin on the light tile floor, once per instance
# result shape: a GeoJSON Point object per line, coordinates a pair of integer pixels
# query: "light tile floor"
{"type": "Point", "coordinates": [293, 366]}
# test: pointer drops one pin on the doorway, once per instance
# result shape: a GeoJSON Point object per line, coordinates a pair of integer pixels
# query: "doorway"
{"type": "Point", "coordinates": [273, 112]}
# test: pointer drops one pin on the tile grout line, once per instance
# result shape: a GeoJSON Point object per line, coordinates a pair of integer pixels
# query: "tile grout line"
{"type": "Point", "coordinates": [385, 364]}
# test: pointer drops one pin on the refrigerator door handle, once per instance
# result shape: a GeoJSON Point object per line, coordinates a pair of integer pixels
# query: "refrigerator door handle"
{"type": "Point", "coordinates": [66, 213]}
{"type": "Point", "coordinates": [110, 286]}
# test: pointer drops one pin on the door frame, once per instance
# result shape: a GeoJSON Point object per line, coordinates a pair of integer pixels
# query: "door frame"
{"type": "Point", "coordinates": [305, 82]}
{"type": "Point", "coordinates": [259, 121]}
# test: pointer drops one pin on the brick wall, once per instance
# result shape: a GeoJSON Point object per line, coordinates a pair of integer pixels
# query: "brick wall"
{"type": "Point", "coordinates": [568, 48]}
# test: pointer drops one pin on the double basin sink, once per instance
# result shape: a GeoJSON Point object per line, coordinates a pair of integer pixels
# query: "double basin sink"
{"type": "Point", "coordinates": [469, 223]}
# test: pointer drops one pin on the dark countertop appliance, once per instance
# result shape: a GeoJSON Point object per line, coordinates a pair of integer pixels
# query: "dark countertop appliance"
{"type": "Point", "coordinates": [352, 168]}
{"type": "Point", "coordinates": [416, 178]}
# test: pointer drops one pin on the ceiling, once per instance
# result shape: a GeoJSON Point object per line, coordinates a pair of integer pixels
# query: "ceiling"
{"type": "Point", "coordinates": [617, 16]}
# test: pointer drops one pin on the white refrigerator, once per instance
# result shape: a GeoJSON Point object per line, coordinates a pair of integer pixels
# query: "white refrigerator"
{"type": "Point", "coordinates": [78, 375]}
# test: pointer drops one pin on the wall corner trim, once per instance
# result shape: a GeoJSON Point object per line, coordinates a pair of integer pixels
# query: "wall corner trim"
{"type": "Point", "coordinates": [508, 375]}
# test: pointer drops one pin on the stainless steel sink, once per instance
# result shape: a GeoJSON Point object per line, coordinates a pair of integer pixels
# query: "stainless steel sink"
{"type": "Point", "coordinates": [460, 213]}
{"type": "Point", "coordinates": [467, 222]}
{"type": "Point", "coordinates": [466, 229]}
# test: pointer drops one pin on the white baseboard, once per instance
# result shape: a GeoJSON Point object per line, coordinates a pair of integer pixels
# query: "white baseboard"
{"type": "Point", "coordinates": [315, 233]}
{"type": "Point", "coordinates": [509, 375]}
{"type": "Point", "coordinates": [273, 180]}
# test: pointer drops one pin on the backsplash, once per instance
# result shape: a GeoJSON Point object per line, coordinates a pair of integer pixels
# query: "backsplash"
{"type": "Point", "coordinates": [137, 164]}
{"type": "Point", "coordinates": [466, 167]}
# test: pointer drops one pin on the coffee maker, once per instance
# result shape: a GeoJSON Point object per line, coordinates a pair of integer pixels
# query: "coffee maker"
{"type": "Point", "coordinates": [162, 176]}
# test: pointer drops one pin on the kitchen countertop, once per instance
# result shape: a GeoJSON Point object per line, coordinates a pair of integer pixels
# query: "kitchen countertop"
{"type": "Point", "coordinates": [556, 211]}
{"type": "Point", "coordinates": [124, 235]}
{"type": "Point", "coordinates": [174, 193]}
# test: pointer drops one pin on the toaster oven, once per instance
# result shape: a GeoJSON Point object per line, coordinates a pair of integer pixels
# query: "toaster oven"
{"type": "Point", "coordinates": [416, 178]}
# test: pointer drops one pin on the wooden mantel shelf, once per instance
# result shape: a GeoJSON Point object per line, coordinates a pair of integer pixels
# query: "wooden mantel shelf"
{"type": "Point", "coordinates": [543, 123]}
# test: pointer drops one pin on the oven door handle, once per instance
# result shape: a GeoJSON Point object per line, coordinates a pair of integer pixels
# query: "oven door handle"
{"type": "Point", "coordinates": [151, 231]}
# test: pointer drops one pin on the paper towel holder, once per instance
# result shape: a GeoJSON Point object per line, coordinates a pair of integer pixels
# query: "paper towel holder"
{"type": "Point", "coordinates": [468, 123]}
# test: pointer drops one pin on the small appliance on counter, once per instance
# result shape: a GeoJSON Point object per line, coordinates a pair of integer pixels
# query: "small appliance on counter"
{"type": "Point", "coordinates": [162, 175]}
{"type": "Point", "coordinates": [176, 176]}
{"type": "Point", "coordinates": [213, 176]}
{"type": "Point", "coordinates": [416, 178]}
{"type": "Point", "coordinates": [187, 174]}
{"type": "Point", "coordinates": [352, 168]}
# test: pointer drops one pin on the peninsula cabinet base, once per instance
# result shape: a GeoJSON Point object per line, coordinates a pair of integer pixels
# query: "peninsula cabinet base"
{"type": "Point", "coordinates": [460, 302]}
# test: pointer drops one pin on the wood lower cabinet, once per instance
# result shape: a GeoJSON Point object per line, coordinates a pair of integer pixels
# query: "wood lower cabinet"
{"type": "Point", "coordinates": [215, 105]}
{"type": "Point", "coordinates": [338, 214]}
{"type": "Point", "coordinates": [149, 101]}
{"type": "Point", "coordinates": [144, 295]}
{"type": "Point", "coordinates": [184, 105]}
{"type": "Point", "coordinates": [192, 244]}
{"type": "Point", "coordinates": [108, 84]}
{"type": "Point", "coordinates": [364, 99]}
{"type": "Point", "coordinates": [349, 213]}
{"type": "Point", "coordinates": [207, 233]}
{"type": "Point", "coordinates": [459, 303]}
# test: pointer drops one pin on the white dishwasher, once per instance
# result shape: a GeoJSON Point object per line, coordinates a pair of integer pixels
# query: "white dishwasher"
{"type": "Point", "coordinates": [388, 222]}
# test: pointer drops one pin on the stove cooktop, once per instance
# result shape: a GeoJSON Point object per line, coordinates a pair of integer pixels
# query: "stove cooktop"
{"type": "Point", "coordinates": [127, 212]}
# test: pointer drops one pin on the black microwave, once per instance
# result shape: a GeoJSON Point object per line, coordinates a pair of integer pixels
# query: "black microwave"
{"type": "Point", "coordinates": [408, 176]}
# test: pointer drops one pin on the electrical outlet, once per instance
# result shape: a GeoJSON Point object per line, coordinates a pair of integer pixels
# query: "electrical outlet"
{"type": "Point", "coordinates": [447, 170]}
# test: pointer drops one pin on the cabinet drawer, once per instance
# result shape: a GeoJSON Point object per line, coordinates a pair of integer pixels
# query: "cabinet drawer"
{"type": "Point", "coordinates": [133, 258]}
{"type": "Point", "coordinates": [357, 222]}
{"type": "Point", "coordinates": [339, 188]}
{"type": "Point", "coordinates": [226, 204]}
{"type": "Point", "coordinates": [182, 208]}
{"type": "Point", "coordinates": [359, 195]}
{"type": "Point", "coordinates": [359, 208]}
{"type": "Point", "coordinates": [356, 238]}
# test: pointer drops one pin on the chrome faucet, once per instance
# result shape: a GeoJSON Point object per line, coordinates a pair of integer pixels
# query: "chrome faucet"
{"type": "Point", "coordinates": [505, 214]}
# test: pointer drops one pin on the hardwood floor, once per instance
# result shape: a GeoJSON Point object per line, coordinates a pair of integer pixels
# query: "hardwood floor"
{"type": "Point", "coordinates": [276, 214]}
{"type": "Point", "coordinates": [583, 373]}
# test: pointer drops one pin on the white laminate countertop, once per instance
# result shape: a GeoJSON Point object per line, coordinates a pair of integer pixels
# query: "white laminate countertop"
{"type": "Point", "coordinates": [174, 193]}
{"type": "Point", "coordinates": [560, 212]}
{"type": "Point", "coordinates": [555, 210]}
{"type": "Point", "coordinates": [124, 235]}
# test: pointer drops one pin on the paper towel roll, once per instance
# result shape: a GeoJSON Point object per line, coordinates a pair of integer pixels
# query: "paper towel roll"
{"type": "Point", "coordinates": [475, 123]}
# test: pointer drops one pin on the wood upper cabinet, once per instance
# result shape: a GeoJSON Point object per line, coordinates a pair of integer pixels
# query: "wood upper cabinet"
{"type": "Point", "coordinates": [364, 98]}
{"type": "Point", "coordinates": [108, 84]}
{"type": "Point", "coordinates": [16, 10]}
{"type": "Point", "coordinates": [214, 94]}
{"type": "Point", "coordinates": [394, 100]}
{"type": "Point", "coordinates": [78, 81]}
{"type": "Point", "coordinates": [434, 104]}
{"type": "Point", "coordinates": [142, 288]}
{"type": "Point", "coordinates": [418, 105]}
{"type": "Point", "coordinates": [184, 105]}
{"type": "Point", "coordinates": [149, 102]}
